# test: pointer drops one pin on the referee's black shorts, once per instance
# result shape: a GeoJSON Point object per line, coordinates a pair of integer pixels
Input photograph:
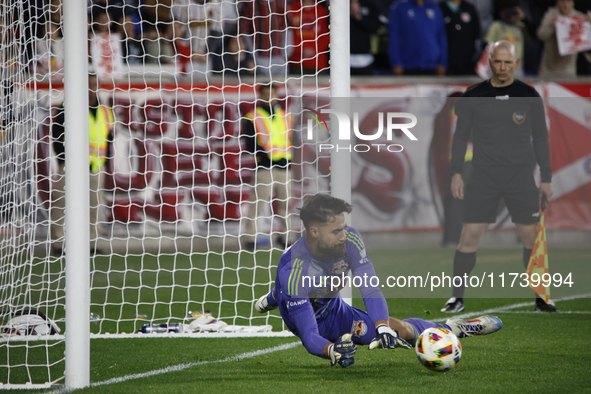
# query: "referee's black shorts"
{"type": "Point", "coordinates": [516, 185]}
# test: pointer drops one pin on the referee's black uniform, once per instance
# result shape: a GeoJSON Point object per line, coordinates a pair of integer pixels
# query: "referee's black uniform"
{"type": "Point", "coordinates": [507, 127]}
{"type": "Point", "coordinates": [508, 130]}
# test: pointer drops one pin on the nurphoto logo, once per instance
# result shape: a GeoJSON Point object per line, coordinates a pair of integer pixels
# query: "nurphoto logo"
{"type": "Point", "coordinates": [392, 122]}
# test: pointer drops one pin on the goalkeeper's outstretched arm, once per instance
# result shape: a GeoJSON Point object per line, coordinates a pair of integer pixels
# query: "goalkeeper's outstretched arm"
{"type": "Point", "coordinates": [342, 352]}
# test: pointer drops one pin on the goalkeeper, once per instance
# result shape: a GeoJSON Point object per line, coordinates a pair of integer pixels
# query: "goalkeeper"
{"type": "Point", "coordinates": [313, 309]}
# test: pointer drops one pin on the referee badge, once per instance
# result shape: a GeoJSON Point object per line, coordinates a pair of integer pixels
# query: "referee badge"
{"type": "Point", "coordinates": [519, 117]}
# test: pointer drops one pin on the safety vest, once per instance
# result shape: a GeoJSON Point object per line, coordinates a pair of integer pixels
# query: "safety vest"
{"type": "Point", "coordinates": [273, 133]}
{"type": "Point", "coordinates": [98, 136]}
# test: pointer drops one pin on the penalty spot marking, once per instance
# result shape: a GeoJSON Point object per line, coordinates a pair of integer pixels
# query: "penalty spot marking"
{"type": "Point", "coordinates": [181, 367]}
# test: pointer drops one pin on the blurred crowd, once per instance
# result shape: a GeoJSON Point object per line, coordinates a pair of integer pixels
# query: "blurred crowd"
{"type": "Point", "coordinates": [285, 37]}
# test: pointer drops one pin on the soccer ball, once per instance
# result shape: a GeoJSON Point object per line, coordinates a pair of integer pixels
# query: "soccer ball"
{"type": "Point", "coordinates": [438, 349]}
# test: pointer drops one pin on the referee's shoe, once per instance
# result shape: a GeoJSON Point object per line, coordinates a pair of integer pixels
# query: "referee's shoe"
{"type": "Point", "coordinates": [453, 305]}
{"type": "Point", "coordinates": [543, 306]}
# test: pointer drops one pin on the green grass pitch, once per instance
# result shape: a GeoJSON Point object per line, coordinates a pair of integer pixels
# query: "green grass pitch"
{"type": "Point", "coordinates": [534, 352]}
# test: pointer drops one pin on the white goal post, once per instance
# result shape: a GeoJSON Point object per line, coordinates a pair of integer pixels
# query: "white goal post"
{"type": "Point", "coordinates": [166, 235]}
{"type": "Point", "coordinates": [76, 103]}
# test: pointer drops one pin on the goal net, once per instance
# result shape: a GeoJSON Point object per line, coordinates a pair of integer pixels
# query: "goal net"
{"type": "Point", "coordinates": [31, 284]}
{"type": "Point", "coordinates": [190, 202]}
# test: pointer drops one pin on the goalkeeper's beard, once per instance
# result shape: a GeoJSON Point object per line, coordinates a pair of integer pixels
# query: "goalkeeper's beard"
{"type": "Point", "coordinates": [336, 250]}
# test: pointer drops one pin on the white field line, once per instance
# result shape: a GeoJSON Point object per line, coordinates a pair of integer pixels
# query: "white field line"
{"type": "Point", "coordinates": [290, 345]}
{"type": "Point", "coordinates": [510, 307]}
{"type": "Point", "coordinates": [562, 312]}
{"type": "Point", "coordinates": [181, 367]}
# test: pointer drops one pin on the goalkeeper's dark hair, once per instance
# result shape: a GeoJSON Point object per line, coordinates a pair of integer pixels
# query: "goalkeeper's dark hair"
{"type": "Point", "coordinates": [321, 208]}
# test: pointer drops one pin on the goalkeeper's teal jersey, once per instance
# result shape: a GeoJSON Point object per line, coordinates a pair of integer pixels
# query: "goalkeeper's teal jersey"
{"type": "Point", "coordinates": [307, 289]}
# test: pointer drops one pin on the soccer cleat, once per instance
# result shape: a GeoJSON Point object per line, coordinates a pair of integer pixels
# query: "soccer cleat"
{"type": "Point", "coordinates": [262, 305]}
{"type": "Point", "coordinates": [542, 306]}
{"type": "Point", "coordinates": [482, 325]}
{"type": "Point", "coordinates": [453, 305]}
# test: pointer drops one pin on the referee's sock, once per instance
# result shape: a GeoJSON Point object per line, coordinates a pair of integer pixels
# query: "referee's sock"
{"type": "Point", "coordinates": [526, 257]}
{"type": "Point", "coordinates": [463, 264]}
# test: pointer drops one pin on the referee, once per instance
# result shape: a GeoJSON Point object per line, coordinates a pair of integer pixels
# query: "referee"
{"type": "Point", "coordinates": [505, 118]}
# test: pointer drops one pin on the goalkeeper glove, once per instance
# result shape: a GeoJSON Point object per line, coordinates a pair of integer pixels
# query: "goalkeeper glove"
{"type": "Point", "coordinates": [388, 338]}
{"type": "Point", "coordinates": [342, 352]}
